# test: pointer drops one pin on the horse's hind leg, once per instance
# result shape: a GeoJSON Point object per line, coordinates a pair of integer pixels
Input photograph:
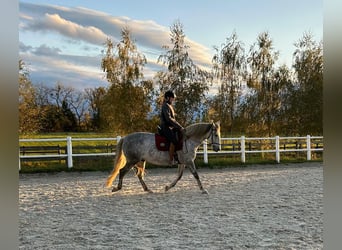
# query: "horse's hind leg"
{"type": "Point", "coordinates": [140, 168]}
{"type": "Point", "coordinates": [179, 176]}
{"type": "Point", "coordinates": [193, 170]}
{"type": "Point", "coordinates": [122, 174]}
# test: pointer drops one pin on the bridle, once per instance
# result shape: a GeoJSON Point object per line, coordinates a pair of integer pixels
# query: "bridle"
{"type": "Point", "coordinates": [211, 136]}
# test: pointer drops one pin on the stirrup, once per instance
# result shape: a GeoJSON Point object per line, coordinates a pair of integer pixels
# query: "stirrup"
{"type": "Point", "coordinates": [174, 162]}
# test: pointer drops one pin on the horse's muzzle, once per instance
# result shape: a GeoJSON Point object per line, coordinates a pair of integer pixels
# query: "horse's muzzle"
{"type": "Point", "coordinates": [216, 147]}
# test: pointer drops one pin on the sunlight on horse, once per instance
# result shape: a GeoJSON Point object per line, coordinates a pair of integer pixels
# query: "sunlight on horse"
{"type": "Point", "coordinates": [135, 149]}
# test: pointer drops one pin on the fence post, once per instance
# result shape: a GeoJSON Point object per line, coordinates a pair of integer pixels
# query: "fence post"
{"type": "Point", "coordinates": [243, 149]}
{"type": "Point", "coordinates": [308, 147]}
{"type": "Point", "coordinates": [277, 145]}
{"type": "Point", "coordinates": [205, 151]}
{"type": "Point", "coordinates": [118, 138]}
{"type": "Point", "coordinates": [69, 151]}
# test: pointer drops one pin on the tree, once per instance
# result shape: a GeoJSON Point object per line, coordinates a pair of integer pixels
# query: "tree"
{"type": "Point", "coordinates": [265, 98]}
{"type": "Point", "coordinates": [42, 94]}
{"type": "Point", "coordinates": [79, 105]}
{"type": "Point", "coordinates": [69, 122]}
{"type": "Point", "coordinates": [307, 102]}
{"type": "Point", "coordinates": [55, 105]}
{"type": "Point", "coordinates": [283, 82]}
{"type": "Point", "coordinates": [95, 98]}
{"type": "Point", "coordinates": [124, 66]}
{"type": "Point", "coordinates": [59, 94]}
{"type": "Point", "coordinates": [186, 79]}
{"type": "Point", "coordinates": [229, 67]}
{"type": "Point", "coordinates": [126, 103]}
{"type": "Point", "coordinates": [29, 112]}
{"type": "Point", "coordinates": [51, 121]}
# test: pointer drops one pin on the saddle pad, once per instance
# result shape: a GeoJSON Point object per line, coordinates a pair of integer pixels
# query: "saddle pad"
{"type": "Point", "coordinates": [163, 144]}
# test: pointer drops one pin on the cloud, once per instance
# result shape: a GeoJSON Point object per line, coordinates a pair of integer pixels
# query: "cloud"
{"type": "Point", "coordinates": [91, 27]}
{"type": "Point", "coordinates": [53, 22]}
{"type": "Point", "coordinates": [24, 48]}
{"type": "Point", "coordinates": [53, 53]}
{"type": "Point", "coordinates": [49, 65]}
{"type": "Point", "coordinates": [95, 27]}
{"type": "Point", "coordinates": [44, 50]}
{"type": "Point", "coordinates": [152, 35]}
{"type": "Point", "coordinates": [200, 54]}
{"type": "Point", "coordinates": [68, 70]}
{"type": "Point", "coordinates": [77, 23]}
{"type": "Point", "coordinates": [82, 23]}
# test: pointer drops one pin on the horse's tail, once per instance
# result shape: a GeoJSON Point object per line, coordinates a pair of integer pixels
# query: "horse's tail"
{"type": "Point", "coordinates": [120, 161]}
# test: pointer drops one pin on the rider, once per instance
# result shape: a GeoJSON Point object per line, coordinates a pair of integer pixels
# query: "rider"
{"type": "Point", "coordinates": [169, 125]}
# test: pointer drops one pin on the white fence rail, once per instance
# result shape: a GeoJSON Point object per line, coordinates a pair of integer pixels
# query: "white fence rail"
{"type": "Point", "coordinates": [243, 145]}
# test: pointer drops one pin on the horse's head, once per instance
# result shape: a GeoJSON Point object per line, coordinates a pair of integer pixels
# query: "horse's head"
{"type": "Point", "coordinates": [215, 136]}
{"type": "Point", "coordinates": [205, 130]}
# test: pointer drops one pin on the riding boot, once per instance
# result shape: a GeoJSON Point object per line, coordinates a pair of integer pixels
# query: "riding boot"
{"type": "Point", "coordinates": [171, 154]}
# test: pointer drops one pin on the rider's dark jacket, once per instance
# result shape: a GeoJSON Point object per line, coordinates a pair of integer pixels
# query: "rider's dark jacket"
{"type": "Point", "coordinates": [169, 125]}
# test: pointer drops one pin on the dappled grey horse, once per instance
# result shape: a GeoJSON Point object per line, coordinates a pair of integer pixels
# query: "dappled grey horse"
{"type": "Point", "coordinates": [135, 149]}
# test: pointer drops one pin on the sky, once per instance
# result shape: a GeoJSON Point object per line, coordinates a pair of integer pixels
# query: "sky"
{"type": "Point", "coordinates": [63, 41]}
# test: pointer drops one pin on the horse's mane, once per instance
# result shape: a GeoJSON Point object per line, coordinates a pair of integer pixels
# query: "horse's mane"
{"type": "Point", "coordinates": [197, 130]}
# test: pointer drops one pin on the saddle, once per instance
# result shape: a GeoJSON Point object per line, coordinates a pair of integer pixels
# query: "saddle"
{"type": "Point", "coordinates": [163, 144]}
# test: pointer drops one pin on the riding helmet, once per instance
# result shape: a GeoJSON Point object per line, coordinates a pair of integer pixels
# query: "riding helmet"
{"type": "Point", "coordinates": [169, 94]}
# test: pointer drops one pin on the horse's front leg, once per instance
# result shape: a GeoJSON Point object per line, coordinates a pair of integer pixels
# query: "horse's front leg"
{"type": "Point", "coordinates": [179, 176]}
{"type": "Point", "coordinates": [193, 170]}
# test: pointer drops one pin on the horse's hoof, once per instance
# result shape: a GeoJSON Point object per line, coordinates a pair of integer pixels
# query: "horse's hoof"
{"type": "Point", "coordinates": [204, 191]}
{"type": "Point", "coordinates": [149, 191]}
{"type": "Point", "coordinates": [115, 189]}
{"type": "Point", "coordinates": [166, 188]}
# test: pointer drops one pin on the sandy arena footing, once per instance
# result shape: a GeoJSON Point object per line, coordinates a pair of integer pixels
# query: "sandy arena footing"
{"type": "Point", "coordinates": [257, 207]}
